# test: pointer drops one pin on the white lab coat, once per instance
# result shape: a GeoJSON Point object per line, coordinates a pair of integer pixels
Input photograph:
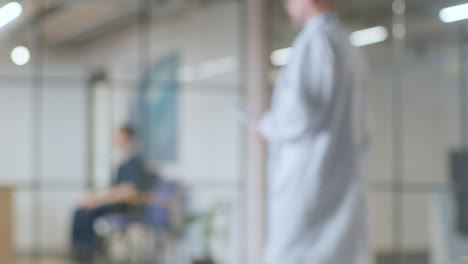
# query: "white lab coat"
{"type": "Point", "coordinates": [317, 134]}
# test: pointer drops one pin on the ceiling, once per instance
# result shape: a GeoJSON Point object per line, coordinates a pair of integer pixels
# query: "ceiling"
{"type": "Point", "coordinates": [368, 10]}
{"type": "Point", "coordinates": [421, 20]}
{"type": "Point", "coordinates": [71, 23]}
{"type": "Point", "coordinates": [74, 23]}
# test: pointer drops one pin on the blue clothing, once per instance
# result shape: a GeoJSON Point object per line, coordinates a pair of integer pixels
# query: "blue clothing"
{"type": "Point", "coordinates": [84, 238]}
{"type": "Point", "coordinates": [133, 171]}
{"type": "Point", "coordinates": [159, 216]}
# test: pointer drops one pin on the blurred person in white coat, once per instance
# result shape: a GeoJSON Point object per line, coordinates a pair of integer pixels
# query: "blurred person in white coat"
{"type": "Point", "coordinates": [317, 133]}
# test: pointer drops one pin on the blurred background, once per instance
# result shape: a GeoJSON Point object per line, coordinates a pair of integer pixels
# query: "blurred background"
{"type": "Point", "coordinates": [71, 72]}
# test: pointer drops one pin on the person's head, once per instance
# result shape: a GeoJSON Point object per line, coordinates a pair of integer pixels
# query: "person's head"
{"type": "Point", "coordinates": [300, 11]}
{"type": "Point", "coordinates": [123, 138]}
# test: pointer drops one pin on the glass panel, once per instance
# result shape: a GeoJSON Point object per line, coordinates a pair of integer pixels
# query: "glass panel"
{"type": "Point", "coordinates": [96, 66]}
{"type": "Point", "coordinates": [430, 128]}
{"type": "Point", "coordinates": [418, 102]}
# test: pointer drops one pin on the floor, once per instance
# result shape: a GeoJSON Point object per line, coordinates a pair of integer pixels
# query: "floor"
{"type": "Point", "coordinates": [405, 259]}
{"type": "Point", "coordinates": [42, 261]}
{"type": "Point", "coordinates": [408, 259]}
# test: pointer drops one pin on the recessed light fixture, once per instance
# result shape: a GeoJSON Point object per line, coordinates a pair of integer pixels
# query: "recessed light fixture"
{"type": "Point", "coordinates": [358, 38]}
{"type": "Point", "coordinates": [20, 55]}
{"type": "Point", "coordinates": [454, 13]}
{"type": "Point", "coordinates": [9, 12]}
{"type": "Point", "coordinates": [280, 57]}
{"type": "Point", "coordinates": [368, 36]}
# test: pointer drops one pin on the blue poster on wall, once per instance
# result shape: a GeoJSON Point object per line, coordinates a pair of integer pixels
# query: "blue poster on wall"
{"type": "Point", "coordinates": [158, 110]}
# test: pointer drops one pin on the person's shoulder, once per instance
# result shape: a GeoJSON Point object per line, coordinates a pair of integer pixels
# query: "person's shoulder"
{"type": "Point", "coordinates": [320, 40]}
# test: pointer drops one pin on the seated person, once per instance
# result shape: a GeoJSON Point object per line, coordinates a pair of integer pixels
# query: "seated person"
{"type": "Point", "coordinates": [129, 182]}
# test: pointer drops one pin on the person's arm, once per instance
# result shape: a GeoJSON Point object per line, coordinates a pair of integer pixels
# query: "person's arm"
{"type": "Point", "coordinates": [308, 88]}
{"type": "Point", "coordinates": [126, 191]}
{"type": "Point", "coordinates": [121, 193]}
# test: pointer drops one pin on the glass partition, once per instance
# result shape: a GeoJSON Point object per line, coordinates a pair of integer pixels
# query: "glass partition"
{"type": "Point", "coordinates": [158, 66]}
{"type": "Point", "coordinates": [418, 98]}
{"type": "Point", "coordinates": [73, 72]}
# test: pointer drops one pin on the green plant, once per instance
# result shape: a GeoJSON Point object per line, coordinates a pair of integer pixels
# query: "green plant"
{"type": "Point", "coordinates": [207, 221]}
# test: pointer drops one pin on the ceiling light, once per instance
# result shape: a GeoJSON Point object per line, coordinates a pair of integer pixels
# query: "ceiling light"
{"type": "Point", "coordinates": [359, 38]}
{"type": "Point", "coordinates": [217, 67]}
{"type": "Point", "coordinates": [454, 13]}
{"type": "Point", "coordinates": [20, 55]}
{"type": "Point", "coordinates": [368, 36]}
{"type": "Point", "coordinates": [280, 57]}
{"type": "Point", "coordinates": [9, 12]}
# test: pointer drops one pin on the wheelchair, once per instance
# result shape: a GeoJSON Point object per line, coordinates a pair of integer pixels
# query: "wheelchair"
{"type": "Point", "coordinates": [149, 236]}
